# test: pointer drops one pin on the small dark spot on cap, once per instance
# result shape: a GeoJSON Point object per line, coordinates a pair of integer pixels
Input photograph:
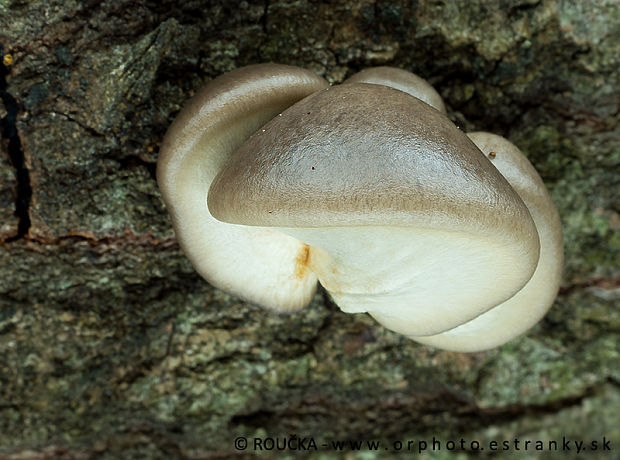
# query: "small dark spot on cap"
{"type": "Point", "coordinates": [307, 113]}
{"type": "Point", "coordinates": [313, 168]}
{"type": "Point", "coordinates": [492, 155]}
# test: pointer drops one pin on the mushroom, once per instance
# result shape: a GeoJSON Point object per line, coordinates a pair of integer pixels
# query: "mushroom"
{"type": "Point", "coordinates": [529, 305]}
{"type": "Point", "coordinates": [275, 180]}
{"type": "Point", "coordinates": [256, 264]}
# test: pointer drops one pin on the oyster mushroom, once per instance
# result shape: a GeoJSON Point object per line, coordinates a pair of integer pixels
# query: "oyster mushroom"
{"type": "Point", "coordinates": [275, 180]}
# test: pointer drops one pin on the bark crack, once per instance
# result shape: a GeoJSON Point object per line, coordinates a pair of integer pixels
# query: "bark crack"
{"type": "Point", "coordinates": [9, 132]}
{"type": "Point", "coordinates": [92, 131]}
{"type": "Point", "coordinates": [597, 282]}
{"type": "Point", "coordinates": [263, 18]}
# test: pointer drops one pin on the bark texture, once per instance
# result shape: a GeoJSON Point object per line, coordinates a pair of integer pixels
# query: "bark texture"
{"type": "Point", "coordinates": [112, 347]}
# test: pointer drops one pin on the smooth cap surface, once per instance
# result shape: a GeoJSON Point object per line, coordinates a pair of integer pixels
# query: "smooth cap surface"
{"type": "Point", "coordinates": [361, 154]}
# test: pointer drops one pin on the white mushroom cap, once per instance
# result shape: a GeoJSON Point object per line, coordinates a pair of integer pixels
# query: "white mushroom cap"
{"type": "Point", "coordinates": [517, 314]}
{"type": "Point", "coordinates": [405, 218]}
{"type": "Point", "coordinates": [256, 264]}
{"type": "Point", "coordinates": [401, 80]}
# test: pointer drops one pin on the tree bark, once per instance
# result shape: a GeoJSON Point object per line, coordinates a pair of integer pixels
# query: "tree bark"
{"type": "Point", "coordinates": [111, 346]}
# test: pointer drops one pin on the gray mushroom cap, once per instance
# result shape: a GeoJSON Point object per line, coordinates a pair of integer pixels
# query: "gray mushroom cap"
{"type": "Point", "coordinates": [362, 163]}
{"type": "Point", "coordinates": [361, 154]}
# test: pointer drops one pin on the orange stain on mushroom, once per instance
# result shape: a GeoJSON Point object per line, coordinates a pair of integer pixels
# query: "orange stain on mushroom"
{"type": "Point", "coordinates": [302, 262]}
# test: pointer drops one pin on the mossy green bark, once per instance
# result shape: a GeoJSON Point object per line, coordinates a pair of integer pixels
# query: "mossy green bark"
{"type": "Point", "coordinates": [111, 346]}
